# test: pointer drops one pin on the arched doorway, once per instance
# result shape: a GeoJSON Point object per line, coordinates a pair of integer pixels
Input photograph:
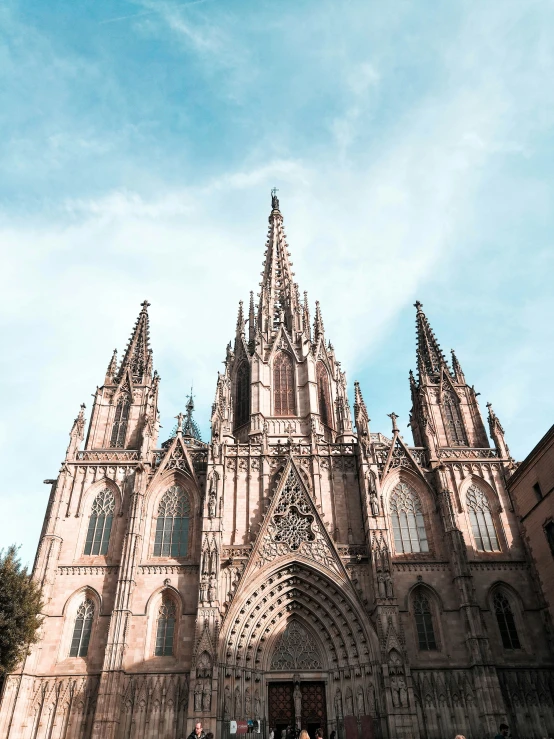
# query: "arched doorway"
{"type": "Point", "coordinates": [295, 623]}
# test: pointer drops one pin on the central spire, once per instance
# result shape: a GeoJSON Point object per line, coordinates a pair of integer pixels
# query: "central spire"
{"type": "Point", "coordinates": [279, 304]}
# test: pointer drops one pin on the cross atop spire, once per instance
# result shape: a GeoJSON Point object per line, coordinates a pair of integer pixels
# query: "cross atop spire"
{"type": "Point", "coordinates": [138, 355]}
{"type": "Point", "coordinates": [278, 297]}
{"type": "Point", "coordinates": [430, 358]}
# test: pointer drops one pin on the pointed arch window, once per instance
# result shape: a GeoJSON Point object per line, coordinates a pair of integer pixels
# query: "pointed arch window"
{"type": "Point", "coordinates": [165, 628]}
{"type": "Point", "coordinates": [482, 524]}
{"type": "Point", "coordinates": [283, 385]}
{"type": "Point", "coordinates": [506, 622]}
{"type": "Point", "coordinates": [82, 629]}
{"type": "Point", "coordinates": [407, 520]}
{"type": "Point", "coordinates": [121, 419]}
{"type": "Point", "coordinates": [453, 418]}
{"type": "Point", "coordinates": [100, 523]}
{"type": "Point", "coordinates": [424, 622]}
{"type": "Point", "coordinates": [172, 525]}
{"type": "Point", "coordinates": [323, 398]}
{"type": "Point", "coordinates": [242, 404]}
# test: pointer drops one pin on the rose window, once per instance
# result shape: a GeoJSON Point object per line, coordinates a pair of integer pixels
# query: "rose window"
{"type": "Point", "coordinates": [293, 529]}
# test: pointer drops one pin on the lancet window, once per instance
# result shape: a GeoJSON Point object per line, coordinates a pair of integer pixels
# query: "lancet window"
{"type": "Point", "coordinates": [407, 520]}
{"type": "Point", "coordinates": [242, 403]}
{"type": "Point", "coordinates": [172, 525]}
{"type": "Point", "coordinates": [482, 524]}
{"type": "Point", "coordinates": [453, 419]}
{"type": "Point", "coordinates": [424, 621]}
{"type": "Point", "coordinates": [100, 523]}
{"type": "Point", "coordinates": [323, 394]}
{"type": "Point", "coordinates": [165, 628]}
{"type": "Point", "coordinates": [121, 419]}
{"type": "Point", "coordinates": [82, 629]}
{"type": "Point", "coordinates": [506, 622]}
{"type": "Point", "coordinates": [283, 385]}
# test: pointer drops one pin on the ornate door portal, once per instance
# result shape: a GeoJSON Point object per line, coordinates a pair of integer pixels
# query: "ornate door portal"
{"type": "Point", "coordinates": [281, 707]}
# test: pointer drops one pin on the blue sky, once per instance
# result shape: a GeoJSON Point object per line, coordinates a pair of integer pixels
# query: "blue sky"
{"type": "Point", "coordinates": [412, 146]}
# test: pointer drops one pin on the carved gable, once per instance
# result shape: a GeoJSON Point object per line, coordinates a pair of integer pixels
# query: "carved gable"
{"type": "Point", "coordinates": [293, 526]}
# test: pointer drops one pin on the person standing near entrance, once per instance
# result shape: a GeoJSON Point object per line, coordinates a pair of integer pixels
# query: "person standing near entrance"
{"type": "Point", "coordinates": [271, 734]}
{"type": "Point", "coordinates": [503, 731]}
{"type": "Point", "coordinates": [198, 732]}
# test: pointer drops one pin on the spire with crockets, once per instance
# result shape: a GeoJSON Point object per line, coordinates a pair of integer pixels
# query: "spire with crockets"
{"type": "Point", "coordinates": [138, 354]}
{"type": "Point", "coordinates": [279, 304]}
{"type": "Point", "coordinates": [430, 359]}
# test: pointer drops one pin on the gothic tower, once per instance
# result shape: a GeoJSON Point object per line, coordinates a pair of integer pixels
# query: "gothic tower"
{"type": "Point", "coordinates": [293, 570]}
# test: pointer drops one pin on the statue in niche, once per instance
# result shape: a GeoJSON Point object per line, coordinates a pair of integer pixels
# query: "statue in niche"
{"type": "Point", "coordinates": [257, 705]}
{"type": "Point", "coordinates": [203, 594]}
{"type": "Point", "coordinates": [227, 702]}
{"type": "Point", "coordinates": [371, 698]}
{"type": "Point", "coordinates": [212, 590]}
{"type": "Point", "coordinates": [395, 692]}
{"type": "Point", "coordinates": [247, 703]}
{"type": "Point", "coordinates": [349, 703]}
{"type": "Point", "coordinates": [381, 586]}
{"type": "Point", "coordinates": [388, 586]}
{"type": "Point", "coordinates": [206, 696]}
{"type": "Point", "coordinates": [338, 704]}
{"type": "Point", "coordinates": [198, 696]}
{"type": "Point", "coordinates": [212, 497]}
{"type": "Point", "coordinates": [402, 692]}
{"type": "Point", "coordinates": [360, 701]}
{"type": "Point", "coordinates": [238, 711]}
{"type": "Point", "coordinates": [297, 698]}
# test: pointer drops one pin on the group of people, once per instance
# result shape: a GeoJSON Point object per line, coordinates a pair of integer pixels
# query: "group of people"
{"type": "Point", "coordinates": [292, 733]}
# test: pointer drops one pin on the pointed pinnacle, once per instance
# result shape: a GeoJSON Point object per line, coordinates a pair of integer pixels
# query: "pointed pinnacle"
{"type": "Point", "coordinates": [393, 417]}
{"type": "Point", "coordinates": [240, 320]}
{"type": "Point", "coordinates": [319, 329]}
{"type": "Point", "coordinates": [137, 353]}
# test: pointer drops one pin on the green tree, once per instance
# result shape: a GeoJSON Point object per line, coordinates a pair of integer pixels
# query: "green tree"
{"type": "Point", "coordinates": [20, 609]}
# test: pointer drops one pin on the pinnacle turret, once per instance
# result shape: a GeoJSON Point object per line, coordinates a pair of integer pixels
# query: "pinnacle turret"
{"type": "Point", "coordinates": [430, 359]}
{"type": "Point", "coordinates": [278, 297]}
{"type": "Point", "coordinates": [251, 323]}
{"type": "Point", "coordinates": [319, 330]}
{"type": "Point", "coordinates": [138, 355]}
{"type": "Point", "coordinates": [112, 368]}
{"type": "Point", "coordinates": [361, 417]}
{"type": "Point", "coordinates": [456, 368]}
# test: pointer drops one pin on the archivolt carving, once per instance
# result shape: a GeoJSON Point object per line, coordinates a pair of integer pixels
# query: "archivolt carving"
{"type": "Point", "coordinates": [316, 600]}
{"type": "Point", "coordinates": [296, 650]}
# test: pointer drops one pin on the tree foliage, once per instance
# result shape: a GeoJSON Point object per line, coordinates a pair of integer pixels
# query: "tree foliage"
{"type": "Point", "coordinates": [20, 608]}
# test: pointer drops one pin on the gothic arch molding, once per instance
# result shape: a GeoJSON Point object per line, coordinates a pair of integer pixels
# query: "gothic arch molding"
{"type": "Point", "coordinates": [92, 491]}
{"type": "Point", "coordinates": [275, 642]}
{"type": "Point", "coordinates": [482, 484]}
{"type": "Point", "coordinates": [316, 598]}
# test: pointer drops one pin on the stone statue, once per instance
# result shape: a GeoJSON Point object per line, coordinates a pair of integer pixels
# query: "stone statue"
{"type": "Point", "coordinates": [297, 697]}
{"type": "Point", "coordinates": [203, 590]}
{"type": "Point", "coordinates": [360, 702]}
{"type": "Point", "coordinates": [381, 586]}
{"type": "Point", "coordinates": [338, 704]}
{"type": "Point", "coordinates": [349, 703]}
{"type": "Point", "coordinates": [388, 586]}
{"type": "Point", "coordinates": [395, 692]}
{"type": "Point", "coordinates": [238, 712]}
{"type": "Point", "coordinates": [227, 702]}
{"type": "Point", "coordinates": [402, 692]}
{"type": "Point", "coordinates": [374, 504]}
{"type": "Point", "coordinates": [206, 696]}
{"type": "Point", "coordinates": [212, 591]}
{"type": "Point", "coordinates": [371, 698]}
{"type": "Point", "coordinates": [198, 697]}
{"type": "Point", "coordinates": [247, 703]}
{"type": "Point", "coordinates": [257, 705]}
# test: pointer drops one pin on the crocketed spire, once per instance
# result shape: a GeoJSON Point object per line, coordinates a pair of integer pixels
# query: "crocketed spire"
{"type": "Point", "coordinates": [138, 355]}
{"type": "Point", "coordinates": [278, 297]}
{"type": "Point", "coordinates": [430, 359]}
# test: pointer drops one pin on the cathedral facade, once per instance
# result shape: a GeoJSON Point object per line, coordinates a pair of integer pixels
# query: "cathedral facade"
{"type": "Point", "coordinates": [298, 568]}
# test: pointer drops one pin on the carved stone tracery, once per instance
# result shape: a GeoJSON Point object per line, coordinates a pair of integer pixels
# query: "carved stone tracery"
{"type": "Point", "coordinates": [296, 650]}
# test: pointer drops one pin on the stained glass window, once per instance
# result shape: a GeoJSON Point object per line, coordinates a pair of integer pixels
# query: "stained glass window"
{"type": "Point", "coordinates": [100, 523]}
{"type": "Point", "coordinates": [482, 524]}
{"type": "Point", "coordinates": [165, 628]}
{"type": "Point", "coordinates": [82, 629]}
{"type": "Point", "coordinates": [323, 394]}
{"type": "Point", "coordinates": [242, 405]}
{"type": "Point", "coordinates": [172, 525]}
{"type": "Point", "coordinates": [424, 622]}
{"type": "Point", "coordinates": [121, 419]}
{"type": "Point", "coordinates": [407, 520]}
{"type": "Point", "coordinates": [453, 417]}
{"type": "Point", "coordinates": [506, 622]}
{"type": "Point", "coordinates": [283, 385]}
